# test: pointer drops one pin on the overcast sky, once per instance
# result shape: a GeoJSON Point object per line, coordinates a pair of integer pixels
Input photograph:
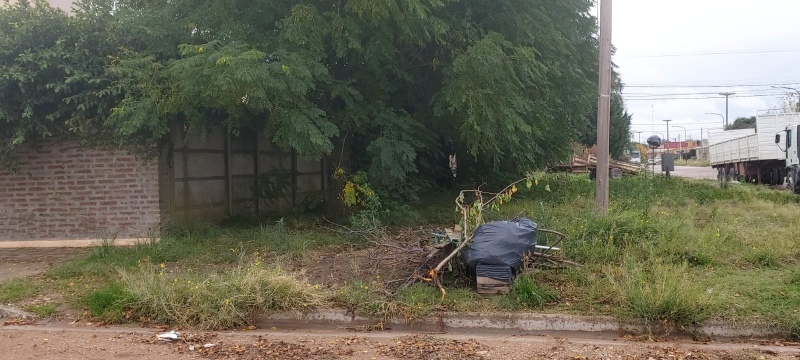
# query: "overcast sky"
{"type": "Point", "coordinates": [672, 46]}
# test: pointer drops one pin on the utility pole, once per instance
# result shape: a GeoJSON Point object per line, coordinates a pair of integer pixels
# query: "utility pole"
{"type": "Point", "coordinates": [666, 144]}
{"type": "Point", "coordinates": [603, 107]}
{"type": "Point", "coordinates": [726, 95]}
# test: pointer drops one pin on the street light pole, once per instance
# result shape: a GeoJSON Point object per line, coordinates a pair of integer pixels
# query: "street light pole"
{"type": "Point", "coordinates": [797, 107]}
{"type": "Point", "coordinates": [667, 143]}
{"type": "Point", "coordinates": [720, 115]}
{"type": "Point", "coordinates": [726, 95]}
{"type": "Point", "coordinates": [640, 135]}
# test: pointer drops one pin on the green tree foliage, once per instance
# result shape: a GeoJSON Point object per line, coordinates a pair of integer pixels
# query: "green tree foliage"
{"type": "Point", "coordinates": [388, 87]}
{"type": "Point", "coordinates": [53, 80]}
{"type": "Point", "coordinates": [391, 80]}
{"type": "Point", "coordinates": [619, 125]}
{"type": "Point", "coordinates": [742, 123]}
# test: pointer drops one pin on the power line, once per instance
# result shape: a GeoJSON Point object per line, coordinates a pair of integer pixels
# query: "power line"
{"type": "Point", "coordinates": [697, 98]}
{"type": "Point", "coordinates": [776, 71]}
{"type": "Point", "coordinates": [705, 86]}
{"type": "Point", "coordinates": [755, 91]}
{"type": "Point", "coordinates": [707, 53]}
{"type": "Point", "coordinates": [692, 127]}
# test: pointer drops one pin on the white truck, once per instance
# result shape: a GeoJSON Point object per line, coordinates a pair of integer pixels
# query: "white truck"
{"type": "Point", "coordinates": [761, 156]}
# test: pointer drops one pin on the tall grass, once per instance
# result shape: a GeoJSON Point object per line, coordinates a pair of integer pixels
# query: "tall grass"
{"type": "Point", "coordinates": [663, 293]}
{"type": "Point", "coordinates": [669, 251]}
{"type": "Point", "coordinates": [221, 300]}
{"type": "Point", "coordinates": [201, 245]}
{"type": "Point", "coordinates": [665, 243]}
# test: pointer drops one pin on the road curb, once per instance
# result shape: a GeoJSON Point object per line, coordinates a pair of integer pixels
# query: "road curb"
{"type": "Point", "coordinates": [8, 312]}
{"type": "Point", "coordinates": [499, 323]}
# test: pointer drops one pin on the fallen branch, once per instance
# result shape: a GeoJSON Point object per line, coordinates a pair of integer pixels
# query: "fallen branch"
{"type": "Point", "coordinates": [552, 258]}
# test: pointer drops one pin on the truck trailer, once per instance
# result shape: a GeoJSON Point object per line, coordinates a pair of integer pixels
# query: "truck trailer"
{"type": "Point", "coordinates": [761, 156]}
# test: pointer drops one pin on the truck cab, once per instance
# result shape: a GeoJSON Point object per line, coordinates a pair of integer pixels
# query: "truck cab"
{"type": "Point", "coordinates": [789, 140]}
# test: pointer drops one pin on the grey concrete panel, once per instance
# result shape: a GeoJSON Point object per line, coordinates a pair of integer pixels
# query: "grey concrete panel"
{"type": "Point", "coordinates": [242, 164]}
{"type": "Point", "coordinates": [200, 192]}
{"type": "Point", "coordinates": [206, 165]}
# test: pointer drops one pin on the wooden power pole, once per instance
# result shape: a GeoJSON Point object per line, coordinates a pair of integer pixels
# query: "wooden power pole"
{"type": "Point", "coordinates": [604, 107]}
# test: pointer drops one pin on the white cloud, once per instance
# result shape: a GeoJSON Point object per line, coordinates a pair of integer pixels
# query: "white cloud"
{"type": "Point", "coordinates": [686, 26]}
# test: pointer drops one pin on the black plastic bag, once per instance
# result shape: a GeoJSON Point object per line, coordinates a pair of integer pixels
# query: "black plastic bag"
{"type": "Point", "coordinates": [501, 243]}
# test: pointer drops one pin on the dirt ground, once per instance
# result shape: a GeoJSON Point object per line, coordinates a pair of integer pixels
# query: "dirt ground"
{"type": "Point", "coordinates": [22, 262]}
{"type": "Point", "coordinates": [69, 342]}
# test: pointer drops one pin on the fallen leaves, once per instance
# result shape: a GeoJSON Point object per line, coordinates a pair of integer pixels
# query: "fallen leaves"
{"type": "Point", "coordinates": [428, 347]}
{"type": "Point", "coordinates": [265, 349]}
{"type": "Point", "coordinates": [18, 321]}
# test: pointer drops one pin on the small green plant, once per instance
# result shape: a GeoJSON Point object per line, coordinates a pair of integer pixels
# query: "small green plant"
{"type": "Point", "coordinates": [272, 186]}
{"type": "Point", "coordinates": [108, 303]}
{"type": "Point", "coordinates": [367, 299]}
{"type": "Point", "coordinates": [794, 331]}
{"type": "Point", "coordinates": [16, 290]}
{"type": "Point", "coordinates": [407, 303]}
{"type": "Point", "coordinates": [697, 259]}
{"type": "Point", "coordinates": [43, 310]}
{"type": "Point", "coordinates": [530, 294]}
{"type": "Point", "coordinates": [764, 259]}
{"type": "Point", "coordinates": [794, 277]}
{"type": "Point", "coordinates": [106, 248]}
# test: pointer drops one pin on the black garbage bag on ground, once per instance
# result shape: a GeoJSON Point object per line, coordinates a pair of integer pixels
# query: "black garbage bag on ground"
{"type": "Point", "coordinates": [501, 243]}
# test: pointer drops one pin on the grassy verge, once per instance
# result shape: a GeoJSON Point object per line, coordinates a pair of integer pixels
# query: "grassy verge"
{"type": "Point", "coordinates": [670, 251]}
{"type": "Point", "coordinates": [150, 282]}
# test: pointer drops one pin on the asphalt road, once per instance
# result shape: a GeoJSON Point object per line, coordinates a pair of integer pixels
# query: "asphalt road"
{"type": "Point", "coordinates": [694, 172]}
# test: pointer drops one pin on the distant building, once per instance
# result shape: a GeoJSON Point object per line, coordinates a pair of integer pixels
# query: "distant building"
{"type": "Point", "coordinates": [65, 5]}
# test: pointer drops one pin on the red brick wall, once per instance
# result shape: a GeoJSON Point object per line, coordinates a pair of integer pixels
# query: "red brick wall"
{"type": "Point", "coordinates": [62, 192]}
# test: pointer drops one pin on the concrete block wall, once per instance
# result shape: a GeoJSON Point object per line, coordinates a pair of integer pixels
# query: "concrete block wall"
{"type": "Point", "coordinates": [63, 192]}
{"type": "Point", "coordinates": [213, 175]}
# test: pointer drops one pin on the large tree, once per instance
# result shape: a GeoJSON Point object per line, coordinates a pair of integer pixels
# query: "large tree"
{"type": "Point", "coordinates": [384, 86]}
{"type": "Point", "coordinates": [742, 123]}
{"type": "Point", "coordinates": [388, 80]}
